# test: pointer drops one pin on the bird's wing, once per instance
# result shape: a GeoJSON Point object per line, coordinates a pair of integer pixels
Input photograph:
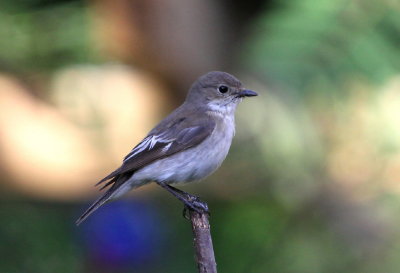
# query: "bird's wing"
{"type": "Point", "coordinates": [178, 136]}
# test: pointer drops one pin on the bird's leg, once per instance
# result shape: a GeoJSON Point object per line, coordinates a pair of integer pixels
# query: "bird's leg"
{"type": "Point", "coordinates": [190, 201]}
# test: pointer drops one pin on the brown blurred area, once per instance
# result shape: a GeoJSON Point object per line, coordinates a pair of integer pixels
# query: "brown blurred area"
{"type": "Point", "coordinates": [57, 148]}
{"type": "Point", "coordinates": [174, 40]}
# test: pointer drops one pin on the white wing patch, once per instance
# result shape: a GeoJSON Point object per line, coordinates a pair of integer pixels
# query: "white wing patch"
{"type": "Point", "coordinates": [166, 148]}
{"type": "Point", "coordinates": [153, 141]}
{"type": "Point", "coordinates": [149, 143]}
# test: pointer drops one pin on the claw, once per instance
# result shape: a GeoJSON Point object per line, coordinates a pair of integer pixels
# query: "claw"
{"type": "Point", "coordinates": [193, 203]}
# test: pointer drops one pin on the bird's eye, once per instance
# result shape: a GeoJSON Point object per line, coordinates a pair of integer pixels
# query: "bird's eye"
{"type": "Point", "coordinates": [223, 89]}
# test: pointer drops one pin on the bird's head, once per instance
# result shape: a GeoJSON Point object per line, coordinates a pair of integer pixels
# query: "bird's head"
{"type": "Point", "coordinates": [218, 91]}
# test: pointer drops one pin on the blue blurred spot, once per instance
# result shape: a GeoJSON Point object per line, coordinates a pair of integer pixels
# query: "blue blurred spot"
{"type": "Point", "coordinates": [123, 233]}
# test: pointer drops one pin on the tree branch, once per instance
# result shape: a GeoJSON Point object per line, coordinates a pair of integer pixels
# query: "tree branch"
{"type": "Point", "coordinates": [202, 242]}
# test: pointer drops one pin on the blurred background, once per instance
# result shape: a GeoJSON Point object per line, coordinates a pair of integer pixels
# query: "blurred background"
{"type": "Point", "coordinates": [312, 182]}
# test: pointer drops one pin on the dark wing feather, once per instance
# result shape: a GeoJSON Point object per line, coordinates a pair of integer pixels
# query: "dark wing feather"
{"type": "Point", "coordinates": [178, 137]}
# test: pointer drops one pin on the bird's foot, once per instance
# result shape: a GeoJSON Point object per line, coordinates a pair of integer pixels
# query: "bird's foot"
{"type": "Point", "coordinates": [193, 203]}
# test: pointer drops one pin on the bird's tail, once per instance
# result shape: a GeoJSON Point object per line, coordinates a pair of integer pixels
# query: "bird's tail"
{"type": "Point", "coordinates": [98, 203]}
{"type": "Point", "coordinates": [117, 189]}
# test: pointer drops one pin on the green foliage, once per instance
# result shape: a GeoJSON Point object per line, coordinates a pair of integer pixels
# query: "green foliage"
{"type": "Point", "coordinates": [327, 41]}
{"type": "Point", "coordinates": [36, 239]}
{"type": "Point", "coordinates": [45, 38]}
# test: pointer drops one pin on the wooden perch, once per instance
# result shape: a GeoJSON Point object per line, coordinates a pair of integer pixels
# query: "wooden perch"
{"type": "Point", "coordinates": [202, 242]}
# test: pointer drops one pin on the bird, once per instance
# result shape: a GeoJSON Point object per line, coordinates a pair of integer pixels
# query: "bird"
{"type": "Point", "coordinates": [188, 145]}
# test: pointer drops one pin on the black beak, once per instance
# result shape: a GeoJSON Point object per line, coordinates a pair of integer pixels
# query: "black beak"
{"type": "Point", "coordinates": [247, 93]}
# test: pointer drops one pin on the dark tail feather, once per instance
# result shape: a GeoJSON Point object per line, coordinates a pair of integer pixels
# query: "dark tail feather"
{"type": "Point", "coordinates": [111, 175]}
{"type": "Point", "coordinates": [98, 203]}
{"type": "Point", "coordinates": [108, 183]}
{"type": "Point", "coordinates": [116, 182]}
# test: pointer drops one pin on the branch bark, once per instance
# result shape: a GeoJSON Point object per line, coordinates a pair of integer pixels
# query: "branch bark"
{"type": "Point", "coordinates": [202, 242]}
